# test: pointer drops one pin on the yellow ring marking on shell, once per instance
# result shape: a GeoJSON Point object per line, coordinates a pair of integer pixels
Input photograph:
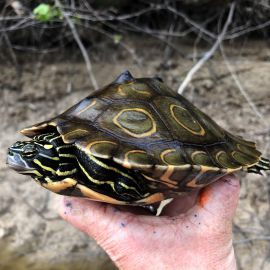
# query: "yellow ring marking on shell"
{"type": "Point", "coordinates": [120, 90]}
{"type": "Point", "coordinates": [74, 131]}
{"type": "Point", "coordinates": [200, 133]}
{"type": "Point", "coordinates": [197, 153]}
{"type": "Point", "coordinates": [89, 145]}
{"type": "Point", "coordinates": [164, 153]}
{"type": "Point", "coordinates": [243, 151]}
{"type": "Point", "coordinates": [87, 107]}
{"type": "Point", "coordinates": [240, 147]}
{"type": "Point", "coordinates": [141, 135]}
{"type": "Point", "coordinates": [245, 165]}
{"type": "Point", "coordinates": [220, 153]}
{"type": "Point", "coordinates": [126, 163]}
{"type": "Point", "coordinates": [229, 170]}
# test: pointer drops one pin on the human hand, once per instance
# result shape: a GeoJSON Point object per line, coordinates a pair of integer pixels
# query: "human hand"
{"type": "Point", "coordinates": [200, 238]}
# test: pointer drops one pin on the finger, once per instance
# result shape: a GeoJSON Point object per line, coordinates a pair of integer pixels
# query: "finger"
{"type": "Point", "coordinates": [220, 198]}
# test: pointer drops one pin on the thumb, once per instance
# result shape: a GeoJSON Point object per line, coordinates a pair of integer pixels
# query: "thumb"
{"type": "Point", "coordinates": [96, 219]}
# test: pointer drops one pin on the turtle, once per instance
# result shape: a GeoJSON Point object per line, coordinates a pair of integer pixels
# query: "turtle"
{"type": "Point", "coordinates": [133, 142]}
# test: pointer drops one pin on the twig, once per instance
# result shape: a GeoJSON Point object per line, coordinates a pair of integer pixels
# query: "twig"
{"type": "Point", "coordinates": [240, 87]}
{"type": "Point", "coordinates": [208, 54]}
{"type": "Point", "coordinates": [191, 22]}
{"type": "Point", "coordinates": [80, 45]}
{"type": "Point", "coordinates": [247, 30]}
{"type": "Point", "coordinates": [85, 16]}
{"type": "Point", "coordinates": [135, 57]}
{"type": "Point", "coordinates": [247, 240]}
{"type": "Point", "coordinates": [10, 49]}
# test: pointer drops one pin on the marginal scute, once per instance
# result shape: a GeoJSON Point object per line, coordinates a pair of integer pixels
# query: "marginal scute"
{"type": "Point", "coordinates": [39, 128]}
{"type": "Point", "coordinates": [225, 161]}
{"type": "Point", "coordinates": [204, 178]}
{"type": "Point", "coordinates": [244, 159]}
{"type": "Point", "coordinates": [240, 140]}
{"type": "Point", "coordinates": [249, 150]}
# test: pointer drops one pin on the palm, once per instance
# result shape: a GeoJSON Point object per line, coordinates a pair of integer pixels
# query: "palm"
{"type": "Point", "coordinates": [132, 239]}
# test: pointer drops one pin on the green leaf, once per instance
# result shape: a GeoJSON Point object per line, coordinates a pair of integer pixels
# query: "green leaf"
{"type": "Point", "coordinates": [46, 12]}
{"type": "Point", "coordinates": [117, 38]}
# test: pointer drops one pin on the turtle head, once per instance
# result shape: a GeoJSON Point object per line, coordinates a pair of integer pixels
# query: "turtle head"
{"type": "Point", "coordinates": [36, 158]}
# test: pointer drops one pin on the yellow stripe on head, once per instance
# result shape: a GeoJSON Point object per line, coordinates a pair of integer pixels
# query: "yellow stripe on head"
{"type": "Point", "coordinates": [46, 168]}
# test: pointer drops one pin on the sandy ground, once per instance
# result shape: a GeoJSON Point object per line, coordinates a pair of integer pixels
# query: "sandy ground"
{"type": "Point", "coordinates": [34, 237]}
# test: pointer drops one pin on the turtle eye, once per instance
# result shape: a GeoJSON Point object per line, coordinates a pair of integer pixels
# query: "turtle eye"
{"type": "Point", "coordinates": [17, 145]}
{"type": "Point", "coordinates": [29, 150]}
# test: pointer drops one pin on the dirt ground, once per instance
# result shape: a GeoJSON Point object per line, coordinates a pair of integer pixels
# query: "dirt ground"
{"type": "Point", "coordinates": [31, 232]}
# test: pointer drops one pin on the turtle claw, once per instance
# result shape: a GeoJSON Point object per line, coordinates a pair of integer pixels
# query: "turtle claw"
{"type": "Point", "coordinates": [157, 208]}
